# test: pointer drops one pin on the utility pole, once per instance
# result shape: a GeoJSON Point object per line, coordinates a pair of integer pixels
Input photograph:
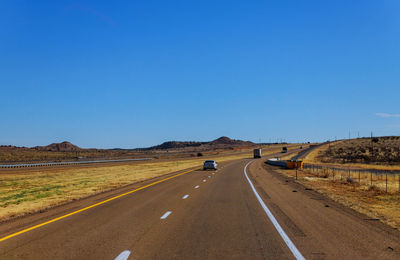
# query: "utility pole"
{"type": "Point", "coordinates": [372, 145]}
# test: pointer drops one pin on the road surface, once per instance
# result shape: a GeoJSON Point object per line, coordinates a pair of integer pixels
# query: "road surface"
{"type": "Point", "coordinates": [203, 215]}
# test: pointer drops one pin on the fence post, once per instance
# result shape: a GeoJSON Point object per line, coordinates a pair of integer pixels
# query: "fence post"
{"type": "Point", "coordinates": [370, 173]}
{"type": "Point", "coordinates": [386, 182]}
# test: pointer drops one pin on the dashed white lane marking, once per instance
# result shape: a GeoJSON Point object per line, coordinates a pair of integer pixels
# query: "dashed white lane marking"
{"type": "Point", "coordinates": [278, 227]}
{"type": "Point", "coordinates": [166, 214]}
{"type": "Point", "coordinates": [185, 197]}
{"type": "Point", "coordinates": [197, 187]}
{"type": "Point", "coordinates": [204, 180]}
{"type": "Point", "coordinates": [124, 255]}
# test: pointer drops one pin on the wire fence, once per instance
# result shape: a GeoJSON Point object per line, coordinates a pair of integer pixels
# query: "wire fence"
{"type": "Point", "coordinates": [386, 180]}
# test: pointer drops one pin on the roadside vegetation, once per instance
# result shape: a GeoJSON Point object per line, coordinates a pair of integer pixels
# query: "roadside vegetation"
{"type": "Point", "coordinates": [12, 154]}
{"type": "Point", "coordinates": [372, 153]}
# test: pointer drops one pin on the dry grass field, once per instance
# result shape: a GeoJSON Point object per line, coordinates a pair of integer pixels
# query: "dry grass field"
{"type": "Point", "coordinates": [381, 153]}
{"type": "Point", "coordinates": [11, 154]}
{"type": "Point", "coordinates": [26, 191]}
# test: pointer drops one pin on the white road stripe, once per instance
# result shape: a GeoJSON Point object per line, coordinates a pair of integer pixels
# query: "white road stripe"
{"type": "Point", "coordinates": [124, 255]}
{"type": "Point", "coordinates": [186, 196]}
{"type": "Point", "coordinates": [282, 233]}
{"type": "Point", "coordinates": [166, 214]}
{"type": "Point", "coordinates": [197, 187]}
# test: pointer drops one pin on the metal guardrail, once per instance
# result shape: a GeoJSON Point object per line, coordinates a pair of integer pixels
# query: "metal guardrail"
{"type": "Point", "coordinates": [277, 162]}
{"type": "Point", "coordinates": [23, 165]}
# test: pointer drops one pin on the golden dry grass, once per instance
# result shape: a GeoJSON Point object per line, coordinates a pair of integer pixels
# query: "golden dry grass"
{"type": "Point", "coordinates": [35, 190]}
{"type": "Point", "coordinates": [353, 153]}
{"type": "Point", "coordinates": [312, 157]}
{"type": "Point", "coordinates": [372, 201]}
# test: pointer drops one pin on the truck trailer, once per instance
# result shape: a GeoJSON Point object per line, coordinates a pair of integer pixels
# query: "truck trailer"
{"type": "Point", "coordinates": [257, 153]}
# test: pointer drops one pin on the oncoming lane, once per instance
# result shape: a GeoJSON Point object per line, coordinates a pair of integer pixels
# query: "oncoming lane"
{"type": "Point", "coordinates": [115, 224]}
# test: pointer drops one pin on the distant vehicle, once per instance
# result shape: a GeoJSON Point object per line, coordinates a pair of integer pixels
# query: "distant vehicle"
{"type": "Point", "coordinates": [284, 149]}
{"type": "Point", "coordinates": [210, 164]}
{"type": "Point", "coordinates": [301, 147]}
{"type": "Point", "coordinates": [257, 153]}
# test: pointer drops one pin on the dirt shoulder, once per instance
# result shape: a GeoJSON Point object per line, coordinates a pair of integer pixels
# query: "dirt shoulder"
{"type": "Point", "coordinates": [375, 203]}
{"type": "Point", "coordinates": [321, 227]}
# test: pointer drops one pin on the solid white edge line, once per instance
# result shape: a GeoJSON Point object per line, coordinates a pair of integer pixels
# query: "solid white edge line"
{"type": "Point", "coordinates": [166, 214]}
{"type": "Point", "coordinates": [124, 255]}
{"type": "Point", "coordinates": [282, 233]}
{"type": "Point", "coordinates": [185, 197]}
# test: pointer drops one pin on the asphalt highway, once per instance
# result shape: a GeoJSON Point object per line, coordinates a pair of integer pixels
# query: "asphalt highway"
{"type": "Point", "coordinates": [244, 210]}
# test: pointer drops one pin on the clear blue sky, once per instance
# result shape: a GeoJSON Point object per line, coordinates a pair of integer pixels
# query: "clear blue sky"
{"type": "Point", "coordinates": [136, 73]}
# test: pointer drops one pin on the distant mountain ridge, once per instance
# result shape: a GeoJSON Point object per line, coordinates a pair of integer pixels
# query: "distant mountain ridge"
{"type": "Point", "coordinates": [221, 142]}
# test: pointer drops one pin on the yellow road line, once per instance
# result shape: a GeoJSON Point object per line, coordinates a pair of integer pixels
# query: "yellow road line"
{"type": "Point", "coordinates": [91, 206]}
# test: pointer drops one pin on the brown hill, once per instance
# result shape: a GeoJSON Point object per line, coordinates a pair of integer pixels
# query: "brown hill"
{"type": "Point", "coordinates": [59, 147]}
{"type": "Point", "coordinates": [227, 141]}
